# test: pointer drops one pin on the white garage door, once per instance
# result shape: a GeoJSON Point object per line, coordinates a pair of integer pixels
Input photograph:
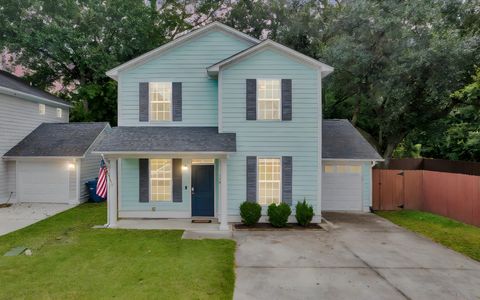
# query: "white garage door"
{"type": "Point", "coordinates": [42, 181]}
{"type": "Point", "coordinates": [342, 187]}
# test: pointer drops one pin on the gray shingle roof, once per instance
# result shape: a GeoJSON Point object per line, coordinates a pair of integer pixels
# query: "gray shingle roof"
{"type": "Point", "coordinates": [58, 139]}
{"type": "Point", "coordinates": [13, 82]}
{"type": "Point", "coordinates": [341, 140]}
{"type": "Point", "coordinates": [167, 139]}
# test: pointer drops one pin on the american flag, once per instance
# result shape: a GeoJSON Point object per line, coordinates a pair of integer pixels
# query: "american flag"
{"type": "Point", "coordinates": [102, 180]}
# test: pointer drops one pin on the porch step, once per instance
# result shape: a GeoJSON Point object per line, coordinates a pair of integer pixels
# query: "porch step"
{"type": "Point", "coordinates": [201, 221]}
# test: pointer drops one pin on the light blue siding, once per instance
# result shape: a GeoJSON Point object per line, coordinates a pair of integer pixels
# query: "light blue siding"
{"type": "Point", "coordinates": [186, 63]}
{"type": "Point", "coordinates": [297, 138]}
{"type": "Point", "coordinates": [130, 189]}
{"type": "Point", "coordinates": [367, 185]}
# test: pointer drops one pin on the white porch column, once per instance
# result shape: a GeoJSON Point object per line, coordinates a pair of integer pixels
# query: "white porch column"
{"type": "Point", "coordinates": [112, 194]}
{"type": "Point", "coordinates": [223, 195]}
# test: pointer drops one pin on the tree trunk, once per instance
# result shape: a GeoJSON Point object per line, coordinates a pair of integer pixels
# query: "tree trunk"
{"type": "Point", "coordinates": [356, 111]}
{"type": "Point", "coordinates": [387, 154]}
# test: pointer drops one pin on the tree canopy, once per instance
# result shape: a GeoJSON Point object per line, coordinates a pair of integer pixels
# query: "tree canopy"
{"type": "Point", "coordinates": [402, 68]}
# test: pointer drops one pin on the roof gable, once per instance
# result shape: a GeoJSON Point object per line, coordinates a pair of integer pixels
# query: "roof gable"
{"type": "Point", "coordinates": [58, 140]}
{"type": "Point", "coordinates": [113, 73]}
{"type": "Point", "coordinates": [16, 86]}
{"type": "Point", "coordinates": [269, 44]}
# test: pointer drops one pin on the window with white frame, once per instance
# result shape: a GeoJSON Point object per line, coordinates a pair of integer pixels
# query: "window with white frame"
{"type": "Point", "coordinates": [160, 95]}
{"type": "Point", "coordinates": [349, 169]}
{"type": "Point", "coordinates": [59, 112]}
{"type": "Point", "coordinates": [268, 99]}
{"type": "Point", "coordinates": [41, 108]}
{"type": "Point", "coordinates": [269, 180]}
{"type": "Point", "coordinates": [160, 180]}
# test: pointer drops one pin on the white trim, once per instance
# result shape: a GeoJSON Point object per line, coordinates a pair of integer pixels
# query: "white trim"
{"type": "Point", "coordinates": [30, 158]}
{"type": "Point", "coordinates": [119, 184]}
{"type": "Point", "coordinates": [154, 214]}
{"type": "Point", "coordinates": [280, 108]}
{"type": "Point", "coordinates": [352, 159]}
{"type": "Point", "coordinates": [319, 144]}
{"type": "Point", "coordinates": [281, 181]}
{"type": "Point", "coordinates": [112, 192]}
{"type": "Point", "coordinates": [78, 163]}
{"type": "Point", "coordinates": [149, 154]}
{"type": "Point", "coordinates": [150, 182]}
{"type": "Point", "coordinates": [223, 195]}
{"type": "Point", "coordinates": [31, 97]}
{"type": "Point", "coordinates": [113, 73]}
{"type": "Point", "coordinates": [324, 68]}
{"type": "Point", "coordinates": [214, 190]}
{"type": "Point", "coordinates": [219, 104]}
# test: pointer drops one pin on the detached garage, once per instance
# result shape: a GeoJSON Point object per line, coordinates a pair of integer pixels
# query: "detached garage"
{"type": "Point", "coordinates": [53, 163]}
{"type": "Point", "coordinates": [346, 168]}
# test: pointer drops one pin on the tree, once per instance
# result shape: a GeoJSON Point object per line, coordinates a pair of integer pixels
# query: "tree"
{"type": "Point", "coordinates": [396, 66]}
{"type": "Point", "coordinates": [456, 136]}
{"type": "Point", "coordinates": [74, 42]}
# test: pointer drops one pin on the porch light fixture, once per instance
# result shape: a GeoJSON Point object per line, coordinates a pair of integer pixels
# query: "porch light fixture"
{"type": "Point", "coordinates": [184, 168]}
{"type": "Point", "coordinates": [71, 166]}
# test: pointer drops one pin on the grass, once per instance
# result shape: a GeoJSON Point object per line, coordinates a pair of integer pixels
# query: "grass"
{"type": "Point", "coordinates": [458, 236]}
{"type": "Point", "coordinates": [73, 261]}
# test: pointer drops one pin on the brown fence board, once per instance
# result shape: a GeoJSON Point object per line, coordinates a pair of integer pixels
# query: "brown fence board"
{"type": "Point", "coordinates": [456, 196]}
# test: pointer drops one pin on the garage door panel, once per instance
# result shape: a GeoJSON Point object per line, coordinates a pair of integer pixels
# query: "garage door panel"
{"type": "Point", "coordinates": [43, 182]}
{"type": "Point", "coordinates": [342, 191]}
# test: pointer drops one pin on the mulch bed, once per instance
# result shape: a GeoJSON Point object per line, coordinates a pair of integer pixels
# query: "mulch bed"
{"type": "Point", "coordinates": [269, 227]}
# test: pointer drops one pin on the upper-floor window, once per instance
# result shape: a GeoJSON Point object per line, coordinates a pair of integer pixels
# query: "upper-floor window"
{"type": "Point", "coordinates": [269, 181]}
{"type": "Point", "coordinates": [268, 99]}
{"type": "Point", "coordinates": [59, 112]}
{"type": "Point", "coordinates": [160, 97]}
{"type": "Point", "coordinates": [41, 108]}
{"type": "Point", "coordinates": [160, 180]}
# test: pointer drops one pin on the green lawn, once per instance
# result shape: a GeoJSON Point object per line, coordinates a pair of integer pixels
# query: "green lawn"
{"type": "Point", "coordinates": [73, 261]}
{"type": "Point", "coordinates": [452, 234]}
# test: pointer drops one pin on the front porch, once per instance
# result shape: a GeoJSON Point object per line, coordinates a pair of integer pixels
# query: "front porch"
{"type": "Point", "coordinates": [193, 189]}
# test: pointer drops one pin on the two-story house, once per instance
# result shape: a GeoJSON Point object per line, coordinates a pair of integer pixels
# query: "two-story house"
{"type": "Point", "coordinates": [43, 157]}
{"type": "Point", "coordinates": [215, 118]}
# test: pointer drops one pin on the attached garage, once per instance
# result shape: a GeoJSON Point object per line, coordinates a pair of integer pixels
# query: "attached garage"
{"type": "Point", "coordinates": [38, 181]}
{"type": "Point", "coordinates": [53, 163]}
{"type": "Point", "coordinates": [346, 168]}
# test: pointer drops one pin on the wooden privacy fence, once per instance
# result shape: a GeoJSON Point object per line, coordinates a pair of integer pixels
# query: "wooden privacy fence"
{"type": "Point", "coordinates": [456, 196]}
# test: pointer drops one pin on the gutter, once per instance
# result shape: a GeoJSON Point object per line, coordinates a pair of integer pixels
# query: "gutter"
{"type": "Point", "coordinates": [33, 98]}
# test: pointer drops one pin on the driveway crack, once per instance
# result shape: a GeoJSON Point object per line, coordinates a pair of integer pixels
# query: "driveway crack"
{"type": "Point", "coordinates": [377, 272]}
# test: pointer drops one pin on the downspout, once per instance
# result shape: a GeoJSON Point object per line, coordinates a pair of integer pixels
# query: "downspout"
{"type": "Point", "coordinates": [372, 164]}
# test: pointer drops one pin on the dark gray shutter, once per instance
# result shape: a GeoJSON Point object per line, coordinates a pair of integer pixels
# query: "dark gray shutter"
{"type": "Point", "coordinates": [251, 93]}
{"type": "Point", "coordinates": [177, 101]}
{"type": "Point", "coordinates": [177, 179]}
{"type": "Point", "coordinates": [144, 180]}
{"type": "Point", "coordinates": [143, 102]}
{"type": "Point", "coordinates": [287, 179]}
{"type": "Point", "coordinates": [251, 179]}
{"type": "Point", "coordinates": [286, 99]}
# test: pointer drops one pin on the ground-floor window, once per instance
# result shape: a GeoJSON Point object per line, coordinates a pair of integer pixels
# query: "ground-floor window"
{"type": "Point", "coordinates": [269, 180]}
{"type": "Point", "coordinates": [160, 180]}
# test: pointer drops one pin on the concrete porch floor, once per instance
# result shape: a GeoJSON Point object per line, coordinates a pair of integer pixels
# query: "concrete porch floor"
{"type": "Point", "coordinates": [191, 230]}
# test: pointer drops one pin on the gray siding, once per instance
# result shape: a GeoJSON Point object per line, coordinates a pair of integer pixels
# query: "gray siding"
{"type": "Point", "coordinates": [18, 118]}
{"type": "Point", "coordinates": [72, 184]}
{"type": "Point", "coordinates": [89, 168]}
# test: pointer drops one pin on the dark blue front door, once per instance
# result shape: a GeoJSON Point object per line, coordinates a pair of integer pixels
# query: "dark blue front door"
{"type": "Point", "coordinates": [203, 190]}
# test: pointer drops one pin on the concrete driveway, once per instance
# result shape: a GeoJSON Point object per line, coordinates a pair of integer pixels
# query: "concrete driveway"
{"type": "Point", "coordinates": [21, 215]}
{"type": "Point", "coordinates": [367, 257]}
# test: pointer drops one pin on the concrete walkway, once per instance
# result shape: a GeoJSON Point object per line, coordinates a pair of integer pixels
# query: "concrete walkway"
{"type": "Point", "coordinates": [23, 214]}
{"type": "Point", "coordinates": [366, 257]}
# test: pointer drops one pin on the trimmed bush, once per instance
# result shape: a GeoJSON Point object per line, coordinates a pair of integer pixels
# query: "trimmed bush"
{"type": "Point", "coordinates": [250, 213]}
{"type": "Point", "coordinates": [278, 214]}
{"type": "Point", "coordinates": [304, 213]}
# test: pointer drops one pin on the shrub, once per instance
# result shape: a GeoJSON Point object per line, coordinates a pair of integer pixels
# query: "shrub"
{"type": "Point", "coordinates": [304, 213]}
{"type": "Point", "coordinates": [250, 213]}
{"type": "Point", "coordinates": [278, 214]}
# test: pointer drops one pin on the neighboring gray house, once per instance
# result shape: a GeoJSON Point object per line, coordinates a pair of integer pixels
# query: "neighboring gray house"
{"type": "Point", "coordinates": [215, 118]}
{"type": "Point", "coordinates": [41, 161]}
